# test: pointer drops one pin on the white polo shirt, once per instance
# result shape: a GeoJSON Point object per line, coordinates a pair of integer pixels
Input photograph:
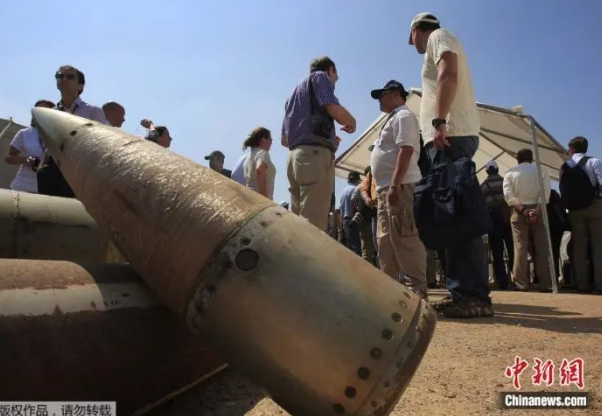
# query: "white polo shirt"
{"type": "Point", "coordinates": [401, 129]}
{"type": "Point", "coordinates": [27, 142]}
{"type": "Point", "coordinates": [463, 118]}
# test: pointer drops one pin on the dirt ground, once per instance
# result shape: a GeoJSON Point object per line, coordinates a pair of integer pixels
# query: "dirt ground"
{"type": "Point", "coordinates": [463, 370]}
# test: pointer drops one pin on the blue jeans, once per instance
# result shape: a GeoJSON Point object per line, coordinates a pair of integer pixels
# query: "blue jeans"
{"type": "Point", "coordinates": [352, 233]}
{"type": "Point", "coordinates": [466, 264]}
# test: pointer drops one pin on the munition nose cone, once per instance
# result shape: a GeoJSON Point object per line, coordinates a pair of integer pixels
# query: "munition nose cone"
{"type": "Point", "coordinates": [56, 127]}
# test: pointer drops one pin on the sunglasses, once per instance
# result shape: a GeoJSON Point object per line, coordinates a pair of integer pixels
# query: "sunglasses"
{"type": "Point", "coordinates": [60, 75]}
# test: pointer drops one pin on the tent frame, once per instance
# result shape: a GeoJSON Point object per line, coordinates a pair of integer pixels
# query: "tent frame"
{"type": "Point", "coordinates": [533, 124]}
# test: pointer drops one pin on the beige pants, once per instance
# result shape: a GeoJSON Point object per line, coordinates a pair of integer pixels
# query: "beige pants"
{"type": "Point", "coordinates": [310, 171]}
{"type": "Point", "coordinates": [367, 240]}
{"type": "Point", "coordinates": [586, 226]}
{"type": "Point", "coordinates": [400, 250]}
{"type": "Point", "coordinates": [524, 233]}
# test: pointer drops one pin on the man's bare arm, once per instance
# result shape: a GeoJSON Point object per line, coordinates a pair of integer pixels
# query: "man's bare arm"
{"type": "Point", "coordinates": [447, 82]}
{"type": "Point", "coordinates": [401, 167]}
{"type": "Point", "coordinates": [341, 115]}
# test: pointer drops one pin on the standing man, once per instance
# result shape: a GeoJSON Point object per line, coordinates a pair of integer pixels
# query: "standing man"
{"type": "Point", "coordinates": [216, 162]}
{"type": "Point", "coordinates": [500, 233]}
{"type": "Point", "coordinates": [70, 82]}
{"type": "Point", "coordinates": [394, 164]}
{"type": "Point", "coordinates": [449, 120]}
{"type": "Point", "coordinates": [114, 113]}
{"type": "Point", "coordinates": [521, 191]}
{"type": "Point", "coordinates": [308, 131]}
{"type": "Point", "coordinates": [351, 225]}
{"type": "Point", "coordinates": [580, 184]}
{"type": "Point", "coordinates": [157, 134]}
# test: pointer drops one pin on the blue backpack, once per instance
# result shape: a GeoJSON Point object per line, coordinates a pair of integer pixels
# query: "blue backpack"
{"type": "Point", "coordinates": [449, 206]}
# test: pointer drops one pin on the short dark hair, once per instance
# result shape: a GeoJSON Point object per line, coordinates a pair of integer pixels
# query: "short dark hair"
{"type": "Point", "coordinates": [323, 63]}
{"type": "Point", "coordinates": [367, 170]}
{"type": "Point", "coordinates": [426, 26]}
{"type": "Point", "coordinates": [524, 155]}
{"type": "Point", "coordinates": [161, 130]}
{"type": "Point", "coordinates": [81, 78]}
{"type": "Point", "coordinates": [111, 104]}
{"type": "Point", "coordinates": [578, 144]}
{"type": "Point", "coordinates": [255, 137]}
{"type": "Point", "coordinates": [493, 170]}
{"type": "Point", "coordinates": [45, 103]}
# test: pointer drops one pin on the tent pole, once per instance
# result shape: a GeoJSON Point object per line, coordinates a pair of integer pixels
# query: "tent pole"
{"type": "Point", "coordinates": [544, 212]}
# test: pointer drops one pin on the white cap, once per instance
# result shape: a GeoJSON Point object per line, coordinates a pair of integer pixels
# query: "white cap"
{"type": "Point", "coordinates": [491, 164]}
{"type": "Point", "coordinates": [420, 18]}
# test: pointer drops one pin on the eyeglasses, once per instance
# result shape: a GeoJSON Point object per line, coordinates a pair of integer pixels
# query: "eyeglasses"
{"type": "Point", "coordinates": [60, 75]}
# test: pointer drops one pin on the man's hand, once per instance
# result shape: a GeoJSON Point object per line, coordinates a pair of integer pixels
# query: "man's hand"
{"type": "Point", "coordinates": [146, 123]}
{"type": "Point", "coordinates": [30, 161]}
{"type": "Point", "coordinates": [393, 195]}
{"type": "Point", "coordinates": [348, 129]}
{"type": "Point", "coordinates": [440, 140]}
{"type": "Point", "coordinates": [368, 201]}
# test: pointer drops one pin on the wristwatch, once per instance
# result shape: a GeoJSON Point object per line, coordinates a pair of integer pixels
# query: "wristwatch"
{"type": "Point", "coordinates": [438, 122]}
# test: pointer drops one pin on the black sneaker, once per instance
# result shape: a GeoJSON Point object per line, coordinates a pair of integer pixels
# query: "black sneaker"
{"type": "Point", "coordinates": [441, 305]}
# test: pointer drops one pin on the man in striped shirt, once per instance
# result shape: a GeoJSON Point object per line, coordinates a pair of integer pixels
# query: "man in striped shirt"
{"type": "Point", "coordinates": [309, 133]}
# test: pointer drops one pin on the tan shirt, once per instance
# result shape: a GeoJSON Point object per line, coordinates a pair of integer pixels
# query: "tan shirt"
{"type": "Point", "coordinates": [463, 118]}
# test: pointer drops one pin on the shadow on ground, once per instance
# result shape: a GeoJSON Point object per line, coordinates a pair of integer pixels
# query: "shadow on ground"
{"type": "Point", "coordinates": [540, 317]}
{"type": "Point", "coordinates": [228, 394]}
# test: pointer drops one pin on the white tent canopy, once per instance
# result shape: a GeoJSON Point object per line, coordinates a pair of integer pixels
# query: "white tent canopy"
{"type": "Point", "coordinates": [503, 134]}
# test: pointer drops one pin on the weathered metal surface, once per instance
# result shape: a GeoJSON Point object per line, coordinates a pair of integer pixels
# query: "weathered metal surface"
{"type": "Point", "coordinates": [323, 331]}
{"type": "Point", "coordinates": [50, 228]}
{"type": "Point", "coordinates": [85, 331]}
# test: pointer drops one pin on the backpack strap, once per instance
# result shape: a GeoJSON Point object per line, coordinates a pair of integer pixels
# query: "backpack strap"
{"type": "Point", "coordinates": [583, 161]}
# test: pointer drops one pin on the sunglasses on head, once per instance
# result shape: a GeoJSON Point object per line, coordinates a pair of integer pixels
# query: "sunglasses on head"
{"type": "Point", "coordinates": [60, 75]}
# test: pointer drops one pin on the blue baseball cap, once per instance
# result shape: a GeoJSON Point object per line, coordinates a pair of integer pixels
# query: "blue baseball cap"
{"type": "Point", "coordinates": [389, 86]}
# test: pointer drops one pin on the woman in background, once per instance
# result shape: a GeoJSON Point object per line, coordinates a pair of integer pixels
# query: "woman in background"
{"type": "Point", "coordinates": [27, 151]}
{"type": "Point", "coordinates": [260, 172]}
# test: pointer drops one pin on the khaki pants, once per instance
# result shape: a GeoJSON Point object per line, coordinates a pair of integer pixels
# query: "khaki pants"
{"type": "Point", "coordinates": [586, 227]}
{"type": "Point", "coordinates": [367, 240]}
{"type": "Point", "coordinates": [399, 247]}
{"type": "Point", "coordinates": [310, 171]}
{"type": "Point", "coordinates": [523, 233]}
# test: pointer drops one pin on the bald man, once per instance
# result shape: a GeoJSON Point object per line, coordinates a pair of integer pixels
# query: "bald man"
{"type": "Point", "coordinates": [114, 113]}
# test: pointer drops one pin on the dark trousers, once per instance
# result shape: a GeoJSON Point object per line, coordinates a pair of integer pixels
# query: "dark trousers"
{"type": "Point", "coordinates": [500, 235]}
{"type": "Point", "coordinates": [352, 236]}
{"type": "Point", "coordinates": [466, 264]}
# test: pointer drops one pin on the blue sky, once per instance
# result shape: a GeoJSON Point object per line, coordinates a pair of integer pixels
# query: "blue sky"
{"type": "Point", "coordinates": [213, 71]}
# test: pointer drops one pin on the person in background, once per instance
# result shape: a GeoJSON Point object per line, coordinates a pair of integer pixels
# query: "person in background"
{"type": "Point", "coordinates": [351, 226]}
{"type": "Point", "coordinates": [558, 220]}
{"type": "Point", "coordinates": [216, 162]}
{"type": "Point", "coordinates": [27, 150]}
{"type": "Point", "coordinates": [284, 205]}
{"type": "Point", "coordinates": [114, 113]}
{"type": "Point", "coordinates": [500, 233]}
{"type": "Point", "coordinates": [70, 82]}
{"type": "Point", "coordinates": [521, 191]}
{"type": "Point", "coordinates": [157, 134]}
{"type": "Point", "coordinates": [368, 214]}
{"type": "Point", "coordinates": [308, 131]}
{"type": "Point", "coordinates": [260, 172]}
{"type": "Point", "coordinates": [370, 198]}
{"type": "Point", "coordinates": [586, 221]}
{"type": "Point", "coordinates": [238, 172]}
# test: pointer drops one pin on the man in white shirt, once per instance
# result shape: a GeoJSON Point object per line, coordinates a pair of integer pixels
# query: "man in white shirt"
{"type": "Point", "coordinates": [394, 165]}
{"type": "Point", "coordinates": [586, 223]}
{"type": "Point", "coordinates": [521, 192]}
{"type": "Point", "coordinates": [449, 120]}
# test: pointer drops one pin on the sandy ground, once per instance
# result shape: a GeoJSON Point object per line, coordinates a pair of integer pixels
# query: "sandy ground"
{"type": "Point", "coordinates": [463, 370]}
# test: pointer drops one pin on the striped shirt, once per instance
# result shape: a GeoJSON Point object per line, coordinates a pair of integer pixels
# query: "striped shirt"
{"type": "Point", "coordinates": [298, 121]}
{"type": "Point", "coordinates": [83, 109]}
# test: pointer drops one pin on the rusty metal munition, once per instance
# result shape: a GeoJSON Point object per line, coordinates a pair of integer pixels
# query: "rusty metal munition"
{"type": "Point", "coordinates": [93, 332]}
{"type": "Point", "coordinates": [50, 228]}
{"type": "Point", "coordinates": [323, 331]}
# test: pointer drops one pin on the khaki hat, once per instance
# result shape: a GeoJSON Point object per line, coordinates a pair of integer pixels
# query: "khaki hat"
{"type": "Point", "coordinates": [426, 17]}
